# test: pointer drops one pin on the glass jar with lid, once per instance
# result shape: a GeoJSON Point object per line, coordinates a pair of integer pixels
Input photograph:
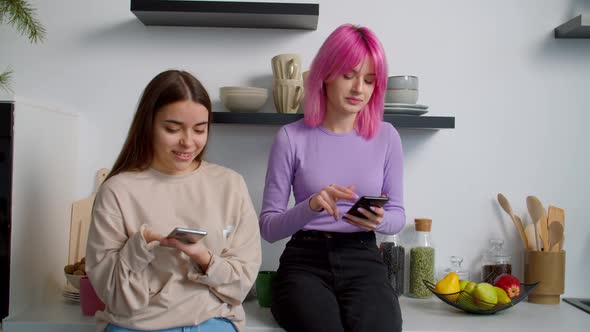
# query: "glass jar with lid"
{"type": "Point", "coordinates": [495, 262]}
{"type": "Point", "coordinates": [421, 259]}
{"type": "Point", "coordinates": [455, 266]}
{"type": "Point", "coordinates": [393, 254]}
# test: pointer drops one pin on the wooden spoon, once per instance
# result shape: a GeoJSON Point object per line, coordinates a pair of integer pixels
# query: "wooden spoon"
{"type": "Point", "coordinates": [515, 219]}
{"type": "Point", "coordinates": [558, 215]}
{"type": "Point", "coordinates": [524, 236]}
{"type": "Point", "coordinates": [529, 230]}
{"type": "Point", "coordinates": [539, 217]}
{"type": "Point", "coordinates": [555, 235]}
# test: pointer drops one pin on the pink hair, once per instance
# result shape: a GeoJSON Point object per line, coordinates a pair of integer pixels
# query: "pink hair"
{"type": "Point", "coordinates": [343, 50]}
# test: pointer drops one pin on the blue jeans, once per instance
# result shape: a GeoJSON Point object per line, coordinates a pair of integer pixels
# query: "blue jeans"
{"type": "Point", "coordinates": [210, 325]}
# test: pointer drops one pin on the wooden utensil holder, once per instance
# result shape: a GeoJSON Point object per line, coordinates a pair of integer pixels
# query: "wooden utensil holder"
{"type": "Point", "coordinates": [547, 268]}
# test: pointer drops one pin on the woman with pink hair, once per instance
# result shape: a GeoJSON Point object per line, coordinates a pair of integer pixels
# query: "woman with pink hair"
{"type": "Point", "coordinates": [331, 276]}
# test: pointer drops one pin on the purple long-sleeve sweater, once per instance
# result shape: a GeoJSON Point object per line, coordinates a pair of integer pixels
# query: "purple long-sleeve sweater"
{"type": "Point", "coordinates": [309, 159]}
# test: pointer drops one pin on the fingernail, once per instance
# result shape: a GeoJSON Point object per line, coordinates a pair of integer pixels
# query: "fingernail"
{"type": "Point", "coordinates": [373, 208]}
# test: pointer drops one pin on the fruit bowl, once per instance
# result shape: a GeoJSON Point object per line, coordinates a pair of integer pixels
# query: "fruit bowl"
{"type": "Point", "coordinates": [74, 280]}
{"type": "Point", "coordinates": [466, 301]}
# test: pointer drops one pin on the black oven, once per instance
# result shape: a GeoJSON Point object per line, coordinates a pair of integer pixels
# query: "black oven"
{"type": "Point", "coordinates": [6, 137]}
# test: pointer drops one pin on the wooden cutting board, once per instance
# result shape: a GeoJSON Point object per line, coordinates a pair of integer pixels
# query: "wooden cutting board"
{"type": "Point", "coordinates": [80, 221]}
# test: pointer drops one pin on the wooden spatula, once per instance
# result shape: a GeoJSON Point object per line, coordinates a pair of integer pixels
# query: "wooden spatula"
{"type": "Point", "coordinates": [557, 214]}
{"type": "Point", "coordinates": [80, 222]}
{"type": "Point", "coordinates": [555, 235]}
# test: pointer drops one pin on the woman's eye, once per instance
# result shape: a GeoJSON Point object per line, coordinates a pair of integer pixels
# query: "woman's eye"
{"type": "Point", "coordinates": [369, 82]}
{"type": "Point", "coordinates": [199, 131]}
{"type": "Point", "coordinates": [349, 76]}
{"type": "Point", "coordinates": [172, 130]}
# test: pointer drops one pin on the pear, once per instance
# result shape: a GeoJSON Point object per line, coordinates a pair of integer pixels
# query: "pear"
{"type": "Point", "coordinates": [503, 297]}
{"type": "Point", "coordinates": [485, 296]}
{"type": "Point", "coordinates": [449, 285]}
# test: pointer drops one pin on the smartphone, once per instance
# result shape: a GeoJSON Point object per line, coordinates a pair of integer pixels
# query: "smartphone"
{"type": "Point", "coordinates": [366, 202]}
{"type": "Point", "coordinates": [186, 235]}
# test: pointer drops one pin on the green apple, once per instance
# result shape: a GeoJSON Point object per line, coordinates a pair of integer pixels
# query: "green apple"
{"type": "Point", "coordinates": [485, 296]}
{"type": "Point", "coordinates": [503, 297]}
{"type": "Point", "coordinates": [469, 287]}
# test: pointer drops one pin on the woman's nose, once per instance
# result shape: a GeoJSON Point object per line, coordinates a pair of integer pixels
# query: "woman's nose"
{"type": "Point", "coordinates": [357, 86]}
{"type": "Point", "coordinates": [186, 139]}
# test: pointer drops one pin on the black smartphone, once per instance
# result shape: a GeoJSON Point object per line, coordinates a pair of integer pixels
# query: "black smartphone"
{"type": "Point", "coordinates": [186, 235]}
{"type": "Point", "coordinates": [366, 202]}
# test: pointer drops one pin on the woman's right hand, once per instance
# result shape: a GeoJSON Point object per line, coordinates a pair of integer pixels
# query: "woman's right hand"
{"type": "Point", "coordinates": [327, 197]}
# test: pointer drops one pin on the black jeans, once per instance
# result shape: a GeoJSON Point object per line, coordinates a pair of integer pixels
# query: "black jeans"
{"type": "Point", "coordinates": [334, 282]}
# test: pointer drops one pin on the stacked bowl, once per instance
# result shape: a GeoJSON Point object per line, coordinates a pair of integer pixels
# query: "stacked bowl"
{"type": "Point", "coordinates": [243, 99]}
{"type": "Point", "coordinates": [402, 94]}
{"type": "Point", "coordinates": [287, 82]}
{"type": "Point", "coordinates": [402, 89]}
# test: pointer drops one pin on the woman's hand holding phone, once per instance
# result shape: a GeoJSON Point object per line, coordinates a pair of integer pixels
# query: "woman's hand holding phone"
{"type": "Point", "coordinates": [327, 197]}
{"type": "Point", "coordinates": [197, 252]}
{"type": "Point", "coordinates": [360, 216]}
{"type": "Point", "coordinates": [371, 220]}
{"type": "Point", "coordinates": [151, 236]}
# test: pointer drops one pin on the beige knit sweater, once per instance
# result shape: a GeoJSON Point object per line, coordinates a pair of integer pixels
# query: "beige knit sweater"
{"type": "Point", "coordinates": [148, 286]}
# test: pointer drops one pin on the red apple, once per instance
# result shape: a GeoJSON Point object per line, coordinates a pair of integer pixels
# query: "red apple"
{"type": "Point", "coordinates": [508, 283]}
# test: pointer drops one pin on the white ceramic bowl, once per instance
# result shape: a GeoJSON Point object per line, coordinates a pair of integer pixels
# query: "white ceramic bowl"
{"type": "Point", "coordinates": [402, 82]}
{"type": "Point", "coordinates": [404, 96]}
{"type": "Point", "coordinates": [74, 280]}
{"type": "Point", "coordinates": [242, 89]}
{"type": "Point", "coordinates": [243, 102]}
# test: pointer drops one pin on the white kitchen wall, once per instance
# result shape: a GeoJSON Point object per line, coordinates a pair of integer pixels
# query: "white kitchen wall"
{"type": "Point", "coordinates": [45, 156]}
{"type": "Point", "coordinates": [520, 98]}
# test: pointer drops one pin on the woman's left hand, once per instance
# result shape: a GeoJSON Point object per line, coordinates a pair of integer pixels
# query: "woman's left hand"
{"type": "Point", "coordinates": [197, 252]}
{"type": "Point", "coordinates": [372, 220]}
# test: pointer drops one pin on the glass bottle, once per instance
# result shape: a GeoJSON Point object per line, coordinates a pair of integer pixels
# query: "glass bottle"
{"type": "Point", "coordinates": [393, 254]}
{"type": "Point", "coordinates": [495, 262]}
{"type": "Point", "coordinates": [421, 259]}
{"type": "Point", "coordinates": [455, 266]}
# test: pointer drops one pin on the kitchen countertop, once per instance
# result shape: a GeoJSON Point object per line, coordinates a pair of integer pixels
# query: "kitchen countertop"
{"type": "Point", "coordinates": [61, 315]}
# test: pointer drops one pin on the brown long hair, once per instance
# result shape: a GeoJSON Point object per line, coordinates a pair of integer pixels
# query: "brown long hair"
{"type": "Point", "coordinates": [166, 88]}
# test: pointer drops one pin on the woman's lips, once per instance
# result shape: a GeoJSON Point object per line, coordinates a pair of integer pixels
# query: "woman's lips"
{"type": "Point", "coordinates": [183, 155]}
{"type": "Point", "coordinates": [353, 101]}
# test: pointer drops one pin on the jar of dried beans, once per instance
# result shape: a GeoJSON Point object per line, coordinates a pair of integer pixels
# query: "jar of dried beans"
{"type": "Point", "coordinates": [421, 259]}
{"type": "Point", "coordinates": [393, 254]}
{"type": "Point", "coordinates": [495, 262]}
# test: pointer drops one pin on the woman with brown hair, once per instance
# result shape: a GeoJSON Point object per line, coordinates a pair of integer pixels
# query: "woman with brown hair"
{"type": "Point", "coordinates": [159, 182]}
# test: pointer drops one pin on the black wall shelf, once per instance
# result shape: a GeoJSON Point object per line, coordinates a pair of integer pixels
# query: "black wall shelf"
{"type": "Point", "coordinates": [230, 14]}
{"type": "Point", "coordinates": [577, 27]}
{"type": "Point", "coordinates": [399, 121]}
